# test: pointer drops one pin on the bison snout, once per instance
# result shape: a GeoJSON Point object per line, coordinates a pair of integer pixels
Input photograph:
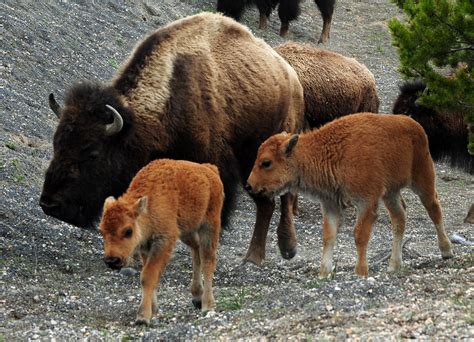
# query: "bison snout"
{"type": "Point", "coordinates": [113, 262]}
{"type": "Point", "coordinates": [248, 188]}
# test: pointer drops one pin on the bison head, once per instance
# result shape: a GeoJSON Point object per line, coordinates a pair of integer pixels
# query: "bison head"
{"type": "Point", "coordinates": [91, 154]}
{"type": "Point", "coordinates": [272, 173]}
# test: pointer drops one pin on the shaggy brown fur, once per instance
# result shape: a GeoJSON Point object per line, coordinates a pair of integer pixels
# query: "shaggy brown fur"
{"type": "Point", "coordinates": [447, 132]}
{"type": "Point", "coordinates": [357, 159]}
{"type": "Point", "coordinates": [333, 85]}
{"type": "Point", "coordinates": [166, 200]}
{"type": "Point", "coordinates": [202, 88]}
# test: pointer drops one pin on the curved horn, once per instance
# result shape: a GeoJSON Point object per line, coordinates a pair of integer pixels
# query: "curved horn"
{"type": "Point", "coordinates": [55, 107]}
{"type": "Point", "coordinates": [117, 125]}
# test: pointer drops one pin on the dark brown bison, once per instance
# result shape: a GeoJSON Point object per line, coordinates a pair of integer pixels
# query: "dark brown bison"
{"type": "Point", "coordinates": [288, 10]}
{"type": "Point", "coordinates": [201, 89]}
{"type": "Point", "coordinates": [447, 132]}
{"type": "Point", "coordinates": [333, 85]}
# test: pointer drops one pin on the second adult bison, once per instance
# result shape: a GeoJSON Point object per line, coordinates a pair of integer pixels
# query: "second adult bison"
{"type": "Point", "coordinates": [333, 85]}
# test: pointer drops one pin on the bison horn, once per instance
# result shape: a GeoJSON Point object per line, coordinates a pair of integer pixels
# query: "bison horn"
{"type": "Point", "coordinates": [116, 126]}
{"type": "Point", "coordinates": [55, 107]}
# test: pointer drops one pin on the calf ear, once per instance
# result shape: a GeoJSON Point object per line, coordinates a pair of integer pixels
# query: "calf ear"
{"type": "Point", "coordinates": [108, 201]}
{"type": "Point", "coordinates": [291, 144]}
{"type": "Point", "coordinates": [140, 205]}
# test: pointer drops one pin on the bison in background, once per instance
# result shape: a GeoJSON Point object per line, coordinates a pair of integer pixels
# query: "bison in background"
{"type": "Point", "coordinates": [355, 160]}
{"type": "Point", "coordinates": [333, 85]}
{"type": "Point", "coordinates": [167, 200]}
{"type": "Point", "coordinates": [288, 10]}
{"type": "Point", "coordinates": [203, 89]}
{"type": "Point", "coordinates": [447, 132]}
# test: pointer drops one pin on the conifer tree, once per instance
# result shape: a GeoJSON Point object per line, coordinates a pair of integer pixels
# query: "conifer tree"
{"type": "Point", "coordinates": [436, 44]}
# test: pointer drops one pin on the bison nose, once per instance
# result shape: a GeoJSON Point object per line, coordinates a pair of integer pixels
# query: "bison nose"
{"type": "Point", "coordinates": [49, 205]}
{"type": "Point", "coordinates": [247, 187]}
{"type": "Point", "coordinates": [113, 262]}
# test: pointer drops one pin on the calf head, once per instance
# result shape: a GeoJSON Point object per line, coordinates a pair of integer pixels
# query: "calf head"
{"type": "Point", "coordinates": [273, 172]}
{"type": "Point", "coordinates": [120, 229]}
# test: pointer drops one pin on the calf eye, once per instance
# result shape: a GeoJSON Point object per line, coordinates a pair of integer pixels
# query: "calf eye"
{"type": "Point", "coordinates": [265, 164]}
{"type": "Point", "coordinates": [128, 232]}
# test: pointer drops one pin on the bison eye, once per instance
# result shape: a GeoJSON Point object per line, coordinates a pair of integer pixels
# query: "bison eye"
{"type": "Point", "coordinates": [265, 164]}
{"type": "Point", "coordinates": [128, 232]}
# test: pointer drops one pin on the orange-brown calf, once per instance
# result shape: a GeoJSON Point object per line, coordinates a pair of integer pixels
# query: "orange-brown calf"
{"type": "Point", "coordinates": [358, 159]}
{"type": "Point", "coordinates": [166, 200]}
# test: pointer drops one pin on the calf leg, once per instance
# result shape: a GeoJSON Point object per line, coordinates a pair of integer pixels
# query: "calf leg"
{"type": "Point", "coordinates": [326, 7]}
{"type": "Point", "coordinates": [151, 273]}
{"type": "Point", "coordinates": [286, 229]}
{"type": "Point", "coordinates": [366, 216]}
{"type": "Point", "coordinates": [423, 184]}
{"type": "Point", "coordinates": [209, 238]}
{"type": "Point", "coordinates": [332, 219]}
{"type": "Point", "coordinates": [396, 209]}
{"type": "Point", "coordinates": [192, 240]}
{"type": "Point", "coordinates": [256, 251]}
{"type": "Point", "coordinates": [431, 203]}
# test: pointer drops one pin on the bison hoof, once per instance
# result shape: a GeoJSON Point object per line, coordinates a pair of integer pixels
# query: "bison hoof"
{"type": "Point", "coordinates": [288, 254]}
{"type": "Point", "coordinates": [197, 303]}
{"type": "Point", "coordinates": [254, 259]}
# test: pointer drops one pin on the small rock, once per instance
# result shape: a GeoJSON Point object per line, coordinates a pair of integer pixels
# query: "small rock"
{"type": "Point", "coordinates": [128, 271]}
{"type": "Point", "coordinates": [36, 299]}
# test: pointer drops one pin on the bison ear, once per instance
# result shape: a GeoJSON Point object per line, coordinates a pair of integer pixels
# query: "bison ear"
{"type": "Point", "coordinates": [291, 144]}
{"type": "Point", "coordinates": [55, 107]}
{"type": "Point", "coordinates": [140, 205]}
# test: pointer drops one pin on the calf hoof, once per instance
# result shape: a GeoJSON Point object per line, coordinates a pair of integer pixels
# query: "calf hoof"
{"type": "Point", "coordinates": [197, 303]}
{"type": "Point", "coordinates": [447, 255]}
{"type": "Point", "coordinates": [142, 321]}
{"type": "Point", "coordinates": [362, 271]}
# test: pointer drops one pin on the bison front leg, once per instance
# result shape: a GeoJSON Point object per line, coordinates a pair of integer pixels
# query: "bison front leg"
{"type": "Point", "coordinates": [256, 251]}
{"type": "Point", "coordinates": [150, 277]}
{"type": "Point", "coordinates": [286, 229]}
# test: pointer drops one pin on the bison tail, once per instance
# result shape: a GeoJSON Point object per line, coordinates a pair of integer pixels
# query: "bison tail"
{"type": "Point", "coordinates": [289, 10]}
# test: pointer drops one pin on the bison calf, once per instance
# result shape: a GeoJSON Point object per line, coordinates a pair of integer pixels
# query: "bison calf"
{"type": "Point", "coordinates": [357, 159]}
{"type": "Point", "coordinates": [166, 200]}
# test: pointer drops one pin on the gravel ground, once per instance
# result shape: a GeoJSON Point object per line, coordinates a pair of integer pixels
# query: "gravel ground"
{"type": "Point", "coordinates": [54, 283]}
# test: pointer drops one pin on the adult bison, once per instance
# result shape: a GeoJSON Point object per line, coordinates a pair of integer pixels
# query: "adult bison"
{"type": "Point", "coordinates": [202, 88]}
{"type": "Point", "coordinates": [447, 132]}
{"type": "Point", "coordinates": [333, 85]}
{"type": "Point", "coordinates": [288, 10]}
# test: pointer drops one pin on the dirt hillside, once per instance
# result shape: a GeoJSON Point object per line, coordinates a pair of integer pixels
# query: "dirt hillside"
{"type": "Point", "coordinates": [53, 282]}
